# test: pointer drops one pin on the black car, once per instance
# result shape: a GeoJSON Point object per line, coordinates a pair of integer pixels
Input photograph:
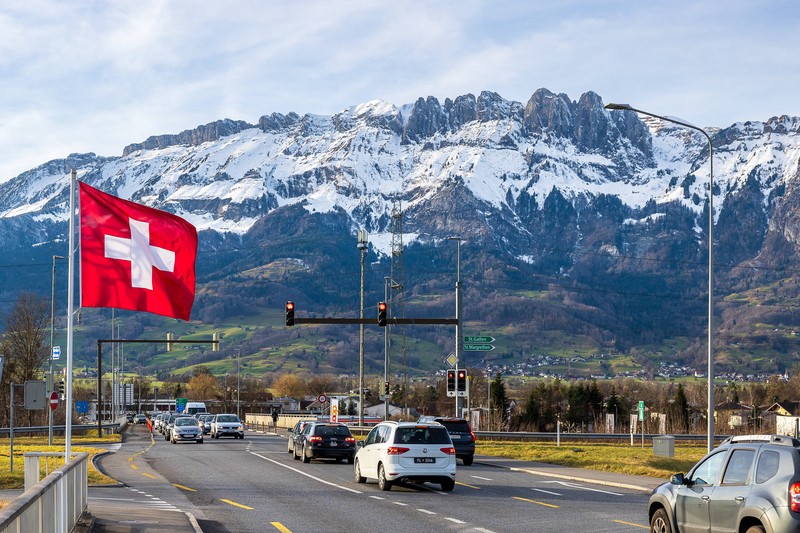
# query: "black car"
{"type": "Point", "coordinates": [460, 433]}
{"type": "Point", "coordinates": [294, 432]}
{"type": "Point", "coordinates": [325, 440]}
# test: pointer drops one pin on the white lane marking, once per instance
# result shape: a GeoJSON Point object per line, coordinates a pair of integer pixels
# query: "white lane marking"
{"type": "Point", "coordinates": [482, 530]}
{"type": "Point", "coordinates": [307, 474]}
{"type": "Point", "coordinates": [401, 504]}
{"type": "Point", "coordinates": [456, 520]}
{"type": "Point", "coordinates": [377, 498]}
{"type": "Point", "coordinates": [548, 492]}
{"type": "Point", "coordinates": [482, 478]}
{"type": "Point", "coordinates": [425, 511]}
{"type": "Point", "coordinates": [576, 486]}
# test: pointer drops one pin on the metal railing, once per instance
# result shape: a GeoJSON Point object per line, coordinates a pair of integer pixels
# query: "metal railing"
{"type": "Point", "coordinates": [54, 504]}
{"type": "Point", "coordinates": [107, 426]}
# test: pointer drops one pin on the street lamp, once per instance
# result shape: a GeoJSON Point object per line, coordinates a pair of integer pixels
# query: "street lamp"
{"type": "Point", "coordinates": [458, 316]}
{"type": "Point", "coordinates": [363, 242]}
{"type": "Point", "coordinates": [626, 107]}
{"type": "Point", "coordinates": [50, 379]}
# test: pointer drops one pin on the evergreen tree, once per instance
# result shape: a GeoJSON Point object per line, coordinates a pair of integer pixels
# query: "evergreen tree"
{"type": "Point", "coordinates": [499, 401]}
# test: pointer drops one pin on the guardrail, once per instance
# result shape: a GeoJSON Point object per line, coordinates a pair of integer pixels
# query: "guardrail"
{"type": "Point", "coordinates": [112, 426]}
{"type": "Point", "coordinates": [54, 504]}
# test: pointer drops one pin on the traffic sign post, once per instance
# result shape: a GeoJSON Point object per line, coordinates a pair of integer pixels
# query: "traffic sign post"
{"type": "Point", "coordinates": [53, 401]}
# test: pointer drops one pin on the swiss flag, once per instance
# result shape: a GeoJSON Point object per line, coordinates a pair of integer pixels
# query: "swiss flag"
{"type": "Point", "coordinates": [135, 257]}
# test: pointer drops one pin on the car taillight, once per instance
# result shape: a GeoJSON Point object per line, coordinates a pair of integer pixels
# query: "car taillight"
{"type": "Point", "coordinates": [449, 451]}
{"type": "Point", "coordinates": [314, 439]}
{"type": "Point", "coordinates": [396, 450]}
{"type": "Point", "coordinates": [794, 497]}
{"type": "Point", "coordinates": [472, 436]}
{"type": "Point", "coordinates": [350, 440]}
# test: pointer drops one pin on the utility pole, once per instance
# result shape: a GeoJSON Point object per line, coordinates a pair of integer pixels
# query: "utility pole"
{"type": "Point", "coordinates": [51, 380]}
{"type": "Point", "coordinates": [458, 317]}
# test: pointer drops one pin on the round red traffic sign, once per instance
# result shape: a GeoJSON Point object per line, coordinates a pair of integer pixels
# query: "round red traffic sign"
{"type": "Point", "coordinates": [53, 400]}
{"type": "Point", "coordinates": [322, 398]}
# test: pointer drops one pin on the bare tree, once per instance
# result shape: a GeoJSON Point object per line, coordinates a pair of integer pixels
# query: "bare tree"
{"type": "Point", "coordinates": [24, 343]}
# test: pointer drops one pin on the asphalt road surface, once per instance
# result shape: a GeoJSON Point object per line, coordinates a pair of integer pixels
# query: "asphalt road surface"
{"type": "Point", "coordinates": [254, 485]}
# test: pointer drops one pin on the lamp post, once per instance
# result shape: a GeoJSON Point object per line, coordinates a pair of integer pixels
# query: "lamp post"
{"type": "Point", "coordinates": [363, 239]}
{"type": "Point", "coordinates": [458, 316]}
{"type": "Point", "coordinates": [51, 379]}
{"type": "Point", "coordinates": [626, 107]}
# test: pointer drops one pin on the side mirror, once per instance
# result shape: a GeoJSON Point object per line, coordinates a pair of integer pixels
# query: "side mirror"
{"type": "Point", "coordinates": [677, 479]}
{"type": "Point", "coordinates": [359, 444]}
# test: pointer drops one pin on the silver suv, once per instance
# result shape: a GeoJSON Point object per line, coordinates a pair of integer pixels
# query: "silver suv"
{"type": "Point", "coordinates": [750, 484]}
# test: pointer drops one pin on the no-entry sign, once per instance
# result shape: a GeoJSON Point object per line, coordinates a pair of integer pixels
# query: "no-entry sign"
{"type": "Point", "coordinates": [53, 400]}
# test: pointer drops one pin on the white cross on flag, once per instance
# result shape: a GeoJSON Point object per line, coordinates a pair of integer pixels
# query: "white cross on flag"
{"type": "Point", "coordinates": [135, 257]}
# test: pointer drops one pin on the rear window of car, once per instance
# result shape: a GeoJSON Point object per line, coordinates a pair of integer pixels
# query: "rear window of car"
{"type": "Point", "coordinates": [332, 431]}
{"type": "Point", "coordinates": [422, 435]}
{"type": "Point", "coordinates": [456, 426]}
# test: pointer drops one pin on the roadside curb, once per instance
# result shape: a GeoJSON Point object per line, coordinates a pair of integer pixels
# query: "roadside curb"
{"type": "Point", "coordinates": [572, 477]}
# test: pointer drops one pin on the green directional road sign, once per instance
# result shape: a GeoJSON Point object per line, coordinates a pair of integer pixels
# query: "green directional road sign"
{"type": "Point", "coordinates": [479, 340]}
{"type": "Point", "coordinates": [180, 404]}
{"type": "Point", "coordinates": [478, 347]}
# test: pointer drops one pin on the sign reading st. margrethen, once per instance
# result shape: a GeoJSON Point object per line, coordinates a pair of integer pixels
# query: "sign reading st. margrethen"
{"type": "Point", "coordinates": [478, 340]}
{"type": "Point", "coordinates": [478, 347]}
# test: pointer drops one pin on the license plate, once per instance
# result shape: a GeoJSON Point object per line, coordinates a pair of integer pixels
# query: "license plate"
{"type": "Point", "coordinates": [334, 443]}
{"type": "Point", "coordinates": [424, 460]}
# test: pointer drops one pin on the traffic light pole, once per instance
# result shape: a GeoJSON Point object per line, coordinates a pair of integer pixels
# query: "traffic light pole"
{"type": "Point", "coordinates": [100, 367]}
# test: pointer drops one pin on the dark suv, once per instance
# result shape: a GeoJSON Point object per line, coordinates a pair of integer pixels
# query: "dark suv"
{"type": "Point", "coordinates": [750, 483]}
{"type": "Point", "coordinates": [460, 433]}
{"type": "Point", "coordinates": [324, 440]}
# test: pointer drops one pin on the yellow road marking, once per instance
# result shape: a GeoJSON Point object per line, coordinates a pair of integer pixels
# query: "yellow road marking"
{"type": "Point", "coordinates": [534, 501]}
{"type": "Point", "coordinates": [151, 476]}
{"type": "Point", "coordinates": [466, 485]}
{"type": "Point", "coordinates": [135, 467]}
{"type": "Point", "coordinates": [631, 524]}
{"type": "Point", "coordinates": [280, 527]}
{"type": "Point", "coordinates": [130, 458]}
{"type": "Point", "coordinates": [236, 504]}
{"type": "Point", "coordinates": [184, 488]}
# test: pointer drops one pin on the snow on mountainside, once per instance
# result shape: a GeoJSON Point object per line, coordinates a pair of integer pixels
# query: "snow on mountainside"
{"type": "Point", "coordinates": [551, 192]}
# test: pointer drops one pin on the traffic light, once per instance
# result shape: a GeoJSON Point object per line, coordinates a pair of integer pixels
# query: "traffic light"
{"type": "Point", "coordinates": [451, 380]}
{"type": "Point", "coordinates": [382, 314]}
{"type": "Point", "coordinates": [386, 388]}
{"type": "Point", "coordinates": [61, 388]}
{"type": "Point", "coordinates": [462, 381]}
{"type": "Point", "coordinates": [290, 313]}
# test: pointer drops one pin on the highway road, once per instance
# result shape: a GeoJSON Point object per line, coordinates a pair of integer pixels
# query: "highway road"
{"type": "Point", "coordinates": [254, 485]}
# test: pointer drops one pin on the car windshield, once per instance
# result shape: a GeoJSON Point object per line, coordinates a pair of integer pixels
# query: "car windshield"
{"type": "Point", "coordinates": [422, 435]}
{"type": "Point", "coordinates": [227, 418]}
{"type": "Point", "coordinates": [185, 422]}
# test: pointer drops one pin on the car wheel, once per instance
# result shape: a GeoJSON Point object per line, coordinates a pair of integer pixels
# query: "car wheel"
{"type": "Point", "coordinates": [755, 529]}
{"type": "Point", "coordinates": [351, 460]}
{"type": "Point", "coordinates": [448, 485]}
{"type": "Point", "coordinates": [289, 446]}
{"type": "Point", "coordinates": [166, 436]}
{"type": "Point", "coordinates": [468, 460]}
{"type": "Point", "coordinates": [383, 483]}
{"type": "Point", "coordinates": [306, 458]}
{"type": "Point", "coordinates": [357, 474]}
{"type": "Point", "coordinates": [660, 522]}
{"type": "Point", "coordinates": [199, 441]}
{"type": "Point", "coordinates": [294, 453]}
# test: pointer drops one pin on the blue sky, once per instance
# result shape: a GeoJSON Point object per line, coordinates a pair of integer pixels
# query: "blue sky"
{"type": "Point", "coordinates": [94, 76]}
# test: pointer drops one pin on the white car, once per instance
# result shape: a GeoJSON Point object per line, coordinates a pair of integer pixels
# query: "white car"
{"type": "Point", "coordinates": [406, 452]}
{"type": "Point", "coordinates": [186, 428]}
{"type": "Point", "coordinates": [226, 424]}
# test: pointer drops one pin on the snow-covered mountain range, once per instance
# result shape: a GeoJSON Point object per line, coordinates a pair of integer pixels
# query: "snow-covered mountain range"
{"type": "Point", "coordinates": [553, 187]}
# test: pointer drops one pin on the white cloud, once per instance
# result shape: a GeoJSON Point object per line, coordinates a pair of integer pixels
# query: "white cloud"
{"type": "Point", "coordinates": [98, 75]}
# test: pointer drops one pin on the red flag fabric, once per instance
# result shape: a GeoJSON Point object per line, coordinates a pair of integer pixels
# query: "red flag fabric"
{"type": "Point", "coordinates": [135, 257]}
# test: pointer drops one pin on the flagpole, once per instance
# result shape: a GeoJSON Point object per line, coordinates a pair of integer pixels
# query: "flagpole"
{"type": "Point", "coordinates": [71, 311]}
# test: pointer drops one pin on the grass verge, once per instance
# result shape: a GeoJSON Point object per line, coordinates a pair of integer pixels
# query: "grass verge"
{"type": "Point", "coordinates": [16, 480]}
{"type": "Point", "coordinates": [605, 457]}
